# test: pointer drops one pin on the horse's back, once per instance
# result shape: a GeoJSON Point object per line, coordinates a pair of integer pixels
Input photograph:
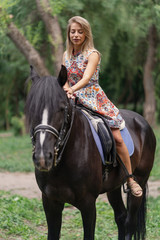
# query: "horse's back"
{"type": "Point", "coordinates": [135, 122]}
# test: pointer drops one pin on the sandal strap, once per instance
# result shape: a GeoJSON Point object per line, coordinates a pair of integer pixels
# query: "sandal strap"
{"type": "Point", "coordinates": [135, 187]}
{"type": "Point", "coordinates": [132, 176]}
{"type": "Point", "coordinates": [127, 190]}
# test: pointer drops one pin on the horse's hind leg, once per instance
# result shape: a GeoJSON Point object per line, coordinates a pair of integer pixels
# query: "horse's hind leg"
{"type": "Point", "coordinates": [53, 211]}
{"type": "Point", "coordinates": [120, 212]}
{"type": "Point", "coordinates": [88, 212]}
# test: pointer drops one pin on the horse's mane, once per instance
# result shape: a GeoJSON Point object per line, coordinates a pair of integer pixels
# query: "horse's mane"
{"type": "Point", "coordinates": [45, 92]}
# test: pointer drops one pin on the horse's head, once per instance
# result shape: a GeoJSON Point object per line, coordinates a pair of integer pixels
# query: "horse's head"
{"type": "Point", "coordinates": [45, 111]}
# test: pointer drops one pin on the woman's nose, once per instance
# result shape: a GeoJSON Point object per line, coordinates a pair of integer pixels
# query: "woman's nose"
{"type": "Point", "coordinates": [76, 34]}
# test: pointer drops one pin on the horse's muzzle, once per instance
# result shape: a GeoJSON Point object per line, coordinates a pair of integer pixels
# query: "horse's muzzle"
{"type": "Point", "coordinates": [43, 162]}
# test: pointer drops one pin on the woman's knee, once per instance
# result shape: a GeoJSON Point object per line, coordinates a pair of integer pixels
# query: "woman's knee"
{"type": "Point", "coordinates": [119, 141]}
{"type": "Point", "coordinates": [117, 137]}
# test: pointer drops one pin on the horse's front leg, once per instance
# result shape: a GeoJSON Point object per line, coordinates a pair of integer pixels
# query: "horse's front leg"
{"type": "Point", "coordinates": [53, 211]}
{"type": "Point", "coordinates": [88, 212]}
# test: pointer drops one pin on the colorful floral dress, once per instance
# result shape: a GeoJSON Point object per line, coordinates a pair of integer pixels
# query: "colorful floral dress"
{"type": "Point", "coordinates": [92, 96]}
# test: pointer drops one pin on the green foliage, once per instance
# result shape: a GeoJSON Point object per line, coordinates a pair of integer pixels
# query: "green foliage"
{"type": "Point", "coordinates": [18, 125]}
{"type": "Point", "coordinates": [13, 74]}
{"type": "Point", "coordinates": [120, 29]}
{"type": "Point", "coordinates": [34, 34]}
{"type": "Point", "coordinates": [57, 6]}
{"type": "Point", "coordinates": [5, 14]}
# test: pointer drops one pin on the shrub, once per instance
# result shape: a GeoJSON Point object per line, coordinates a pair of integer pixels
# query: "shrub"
{"type": "Point", "coordinates": [18, 124]}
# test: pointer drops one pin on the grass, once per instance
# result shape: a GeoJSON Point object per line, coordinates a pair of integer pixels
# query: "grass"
{"type": "Point", "coordinates": [155, 173]}
{"type": "Point", "coordinates": [23, 219]}
{"type": "Point", "coordinates": [16, 154]}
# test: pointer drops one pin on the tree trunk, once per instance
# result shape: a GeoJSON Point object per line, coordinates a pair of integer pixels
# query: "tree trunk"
{"type": "Point", "coordinates": [27, 49]}
{"type": "Point", "coordinates": [54, 31]}
{"type": "Point", "coordinates": [148, 83]}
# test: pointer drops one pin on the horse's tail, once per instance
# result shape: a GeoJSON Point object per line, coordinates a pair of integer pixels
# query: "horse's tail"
{"type": "Point", "coordinates": [140, 231]}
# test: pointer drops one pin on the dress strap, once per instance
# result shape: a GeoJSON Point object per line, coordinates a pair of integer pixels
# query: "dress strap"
{"type": "Point", "coordinates": [91, 51]}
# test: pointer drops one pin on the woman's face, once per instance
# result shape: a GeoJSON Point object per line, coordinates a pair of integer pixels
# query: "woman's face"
{"type": "Point", "coordinates": [77, 35]}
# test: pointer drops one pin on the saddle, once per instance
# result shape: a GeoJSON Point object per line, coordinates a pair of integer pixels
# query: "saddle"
{"type": "Point", "coordinates": [104, 139]}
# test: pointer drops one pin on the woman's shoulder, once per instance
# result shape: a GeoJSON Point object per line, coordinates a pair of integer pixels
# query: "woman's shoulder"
{"type": "Point", "coordinates": [90, 51]}
{"type": "Point", "coordinates": [93, 54]}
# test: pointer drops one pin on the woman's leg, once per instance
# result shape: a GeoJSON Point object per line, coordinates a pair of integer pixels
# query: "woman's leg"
{"type": "Point", "coordinates": [124, 155]}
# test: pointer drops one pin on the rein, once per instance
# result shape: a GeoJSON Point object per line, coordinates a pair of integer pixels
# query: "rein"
{"type": "Point", "coordinates": [62, 136]}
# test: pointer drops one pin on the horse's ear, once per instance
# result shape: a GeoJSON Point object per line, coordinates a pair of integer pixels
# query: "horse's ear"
{"type": "Point", "coordinates": [33, 74]}
{"type": "Point", "coordinates": [62, 78]}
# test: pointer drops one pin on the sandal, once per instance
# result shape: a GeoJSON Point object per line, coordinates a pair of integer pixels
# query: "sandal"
{"type": "Point", "coordinates": [135, 188]}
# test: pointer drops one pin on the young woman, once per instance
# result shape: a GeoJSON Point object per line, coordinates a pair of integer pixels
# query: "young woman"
{"type": "Point", "coordinates": [82, 61]}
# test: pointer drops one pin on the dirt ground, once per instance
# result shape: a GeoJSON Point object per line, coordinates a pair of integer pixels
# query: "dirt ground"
{"type": "Point", "coordinates": [25, 184]}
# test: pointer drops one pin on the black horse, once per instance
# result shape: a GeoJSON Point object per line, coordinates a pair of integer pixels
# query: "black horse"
{"type": "Point", "coordinates": [68, 166]}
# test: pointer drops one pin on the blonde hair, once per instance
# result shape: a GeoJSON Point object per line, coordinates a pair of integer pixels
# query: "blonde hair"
{"type": "Point", "coordinates": [88, 42]}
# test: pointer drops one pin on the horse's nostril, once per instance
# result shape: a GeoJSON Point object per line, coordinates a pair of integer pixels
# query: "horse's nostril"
{"type": "Point", "coordinates": [35, 157]}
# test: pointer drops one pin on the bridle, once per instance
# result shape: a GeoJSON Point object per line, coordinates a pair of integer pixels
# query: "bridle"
{"type": "Point", "coordinates": [45, 128]}
{"type": "Point", "coordinates": [61, 136]}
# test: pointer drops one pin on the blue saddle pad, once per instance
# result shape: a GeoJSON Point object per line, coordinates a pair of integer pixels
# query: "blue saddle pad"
{"type": "Point", "coordinates": [125, 135]}
{"type": "Point", "coordinates": [128, 140]}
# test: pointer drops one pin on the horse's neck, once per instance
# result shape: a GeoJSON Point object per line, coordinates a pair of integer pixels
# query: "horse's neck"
{"type": "Point", "coordinates": [80, 125]}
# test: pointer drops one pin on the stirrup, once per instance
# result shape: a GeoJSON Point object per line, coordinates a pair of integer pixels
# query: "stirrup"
{"type": "Point", "coordinates": [125, 190]}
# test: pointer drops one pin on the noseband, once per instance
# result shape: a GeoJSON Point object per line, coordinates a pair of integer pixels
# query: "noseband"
{"type": "Point", "coordinates": [61, 136]}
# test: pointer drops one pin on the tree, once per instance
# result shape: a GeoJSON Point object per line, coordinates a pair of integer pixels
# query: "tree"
{"type": "Point", "coordinates": [32, 56]}
{"type": "Point", "coordinates": [21, 23]}
{"type": "Point", "coordinates": [54, 31]}
{"type": "Point", "coordinates": [27, 49]}
{"type": "Point", "coordinates": [148, 13]}
{"type": "Point", "coordinates": [120, 30]}
{"type": "Point", "coordinates": [150, 102]}
{"type": "Point", "coordinates": [144, 23]}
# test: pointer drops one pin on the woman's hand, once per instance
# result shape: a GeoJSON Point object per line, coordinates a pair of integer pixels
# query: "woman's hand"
{"type": "Point", "coordinates": [69, 92]}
